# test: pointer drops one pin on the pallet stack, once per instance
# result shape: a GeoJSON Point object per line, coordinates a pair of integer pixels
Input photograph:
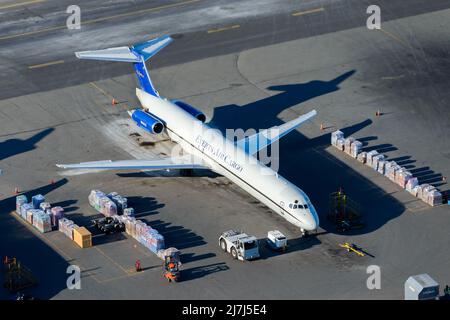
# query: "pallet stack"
{"type": "Point", "coordinates": [389, 169]}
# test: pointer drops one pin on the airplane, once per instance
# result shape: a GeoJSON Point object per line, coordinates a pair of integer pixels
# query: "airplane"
{"type": "Point", "coordinates": [205, 147]}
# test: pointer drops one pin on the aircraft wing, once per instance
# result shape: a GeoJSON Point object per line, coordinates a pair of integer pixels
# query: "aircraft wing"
{"type": "Point", "coordinates": [264, 138]}
{"type": "Point", "coordinates": [156, 164]}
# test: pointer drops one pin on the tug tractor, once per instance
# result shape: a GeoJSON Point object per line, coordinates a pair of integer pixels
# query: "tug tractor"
{"type": "Point", "coordinates": [171, 269]}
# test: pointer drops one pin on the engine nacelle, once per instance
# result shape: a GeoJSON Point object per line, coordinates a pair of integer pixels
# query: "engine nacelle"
{"type": "Point", "coordinates": [147, 121]}
{"type": "Point", "coordinates": [191, 110]}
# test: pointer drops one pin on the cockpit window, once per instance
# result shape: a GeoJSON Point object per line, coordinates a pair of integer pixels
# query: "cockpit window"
{"type": "Point", "coordinates": [306, 206]}
{"type": "Point", "coordinates": [300, 206]}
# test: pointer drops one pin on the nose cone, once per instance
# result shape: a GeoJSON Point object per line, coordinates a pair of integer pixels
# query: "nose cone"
{"type": "Point", "coordinates": [312, 223]}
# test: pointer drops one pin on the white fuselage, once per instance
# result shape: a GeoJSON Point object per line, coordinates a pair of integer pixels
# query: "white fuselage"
{"type": "Point", "coordinates": [229, 160]}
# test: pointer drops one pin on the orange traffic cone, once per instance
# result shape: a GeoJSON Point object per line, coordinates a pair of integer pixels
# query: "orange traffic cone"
{"type": "Point", "coordinates": [52, 181]}
{"type": "Point", "coordinates": [114, 101]}
{"type": "Point", "coordinates": [16, 190]}
{"type": "Point", "coordinates": [378, 113]}
{"type": "Point", "coordinates": [322, 127]}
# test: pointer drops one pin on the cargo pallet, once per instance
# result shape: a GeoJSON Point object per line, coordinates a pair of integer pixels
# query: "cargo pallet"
{"type": "Point", "coordinates": [17, 276]}
{"type": "Point", "coordinates": [344, 210]}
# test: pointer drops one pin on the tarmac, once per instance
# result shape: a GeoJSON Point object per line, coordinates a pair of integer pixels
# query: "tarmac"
{"type": "Point", "coordinates": [256, 75]}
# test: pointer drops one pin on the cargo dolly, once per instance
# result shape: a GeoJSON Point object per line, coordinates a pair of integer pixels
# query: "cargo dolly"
{"type": "Point", "coordinates": [344, 212]}
{"type": "Point", "coordinates": [17, 276]}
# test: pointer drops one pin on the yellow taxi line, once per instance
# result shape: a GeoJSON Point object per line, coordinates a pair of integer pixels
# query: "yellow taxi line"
{"type": "Point", "coordinates": [13, 5]}
{"type": "Point", "coordinates": [42, 65]}
{"type": "Point", "coordinates": [301, 13]}
{"type": "Point", "coordinates": [236, 26]}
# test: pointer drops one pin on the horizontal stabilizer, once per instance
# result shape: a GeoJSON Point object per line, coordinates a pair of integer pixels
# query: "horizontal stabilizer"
{"type": "Point", "coordinates": [121, 54]}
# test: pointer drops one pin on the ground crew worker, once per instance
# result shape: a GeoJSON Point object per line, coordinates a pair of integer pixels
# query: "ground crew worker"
{"type": "Point", "coordinates": [138, 265]}
{"type": "Point", "coordinates": [447, 291]}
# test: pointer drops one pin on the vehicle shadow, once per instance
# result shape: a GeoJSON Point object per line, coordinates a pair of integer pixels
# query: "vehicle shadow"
{"type": "Point", "coordinates": [202, 271]}
{"type": "Point", "coordinates": [18, 241]}
{"type": "Point", "coordinates": [12, 147]}
{"type": "Point", "coordinates": [294, 245]}
{"type": "Point", "coordinates": [304, 161]}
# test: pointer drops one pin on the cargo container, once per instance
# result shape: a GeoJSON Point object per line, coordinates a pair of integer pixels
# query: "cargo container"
{"type": "Point", "coordinates": [362, 157]}
{"type": "Point", "coordinates": [82, 237]}
{"type": "Point", "coordinates": [37, 200]}
{"type": "Point", "coordinates": [56, 213]}
{"type": "Point", "coordinates": [434, 198]}
{"type": "Point", "coordinates": [20, 200]}
{"type": "Point", "coordinates": [335, 136]}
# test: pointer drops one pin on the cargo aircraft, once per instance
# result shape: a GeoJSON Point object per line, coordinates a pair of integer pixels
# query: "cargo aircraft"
{"type": "Point", "coordinates": [205, 147]}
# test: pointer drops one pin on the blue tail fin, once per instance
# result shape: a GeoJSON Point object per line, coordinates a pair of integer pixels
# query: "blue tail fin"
{"type": "Point", "coordinates": [136, 54]}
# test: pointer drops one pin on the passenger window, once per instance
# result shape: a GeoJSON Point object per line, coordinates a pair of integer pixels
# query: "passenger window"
{"type": "Point", "coordinates": [290, 205]}
{"type": "Point", "coordinates": [300, 206]}
{"type": "Point", "coordinates": [306, 206]}
{"type": "Point", "coordinates": [295, 206]}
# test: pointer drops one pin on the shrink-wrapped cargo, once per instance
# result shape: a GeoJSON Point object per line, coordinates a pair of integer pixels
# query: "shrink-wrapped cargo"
{"type": "Point", "coordinates": [128, 212]}
{"type": "Point", "coordinates": [434, 198]}
{"type": "Point", "coordinates": [394, 172]}
{"type": "Point", "coordinates": [94, 199]}
{"type": "Point", "coordinates": [381, 166]}
{"type": "Point", "coordinates": [370, 156]}
{"type": "Point", "coordinates": [403, 177]}
{"type": "Point", "coordinates": [362, 156]}
{"type": "Point", "coordinates": [120, 202]}
{"type": "Point", "coordinates": [375, 159]}
{"type": "Point", "coordinates": [56, 213]}
{"type": "Point", "coordinates": [335, 136]}
{"type": "Point", "coordinates": [414, 191]}
{"type": "Point", "coordinates": [41, 221]}
{"type": "Point", "coordinates": [426, 191]}
{"type": "Point", "coordinates": [420, 190]}
{"type": "Point", "coordinates": [340, 144]}
{"type": "Point", "coordinates": [387, 167]}
{"type": "Point", "coordinates": [66, 226]}
{"type": "Point", "coordinates": [20, 200]}
{"type": "Point", "coordinates": [30, 215]}
{"type": "Point", "coordinates": [37, 200]}
{"type": "Point", "coordinates": [355, 148]}
{"type": "Point", "coordinates": [44, 206]}
{"type": "Point", "coordinates": [411, 184]}
{"type": "Point", "coordinates": [109, 208]}
{"type": "Point", "coordinates": [347, 144]}
{"type": "Point", "coordinates": [24, 209]}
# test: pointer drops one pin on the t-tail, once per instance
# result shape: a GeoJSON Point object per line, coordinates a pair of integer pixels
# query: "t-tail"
{"type": "Point", "coordinates": [137, 54]}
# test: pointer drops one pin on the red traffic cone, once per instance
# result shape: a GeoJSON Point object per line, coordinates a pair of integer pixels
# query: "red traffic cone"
{"type": "Point", "coordinates": [114, 101]}
{"type": "Point", "coordinates": [322, 127]}
{"type": "Point", "coordinates": [16, 190]}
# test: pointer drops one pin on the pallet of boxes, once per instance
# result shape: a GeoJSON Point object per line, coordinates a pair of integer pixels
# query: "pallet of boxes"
{"type": "Point", "coordinates": [389, 169]}
{"type": "Point", "coordinates": [114, 205]}
{"type": "Point", "coordinates": [38, 213]}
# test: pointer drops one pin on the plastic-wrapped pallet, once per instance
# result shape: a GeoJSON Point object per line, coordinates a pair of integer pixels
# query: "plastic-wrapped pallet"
{"type": "Point", "coordinates": [20, 200]}
{"type": "Point", "coordinates": [434, 198]}
{"type": "Point", "coordinates": [335, 136]}
{"type": "Point", "coordinates": [112, 194]}
{"type": "Point", "coordinates": [37, 200]}
{"type": "Point", "coordinates": [414, 191]}
{"type": "Point", "coordinates": [128, 212]}
{"type": "Point", "coordinates": [411, 184]}
{"type": "Point", "coordinates": [24, 209]}
{"type": "Point", "coordinates": [426, 192]}
{"type": "Point", "coordinates": [44, 206]}
{"type": "Point", "coordinates": [381, 166]}
{"type": "Point", "coordinates": [375, 159]}
{"type": "Point", "coordinates": [402, 177]}
{"type": "Point", "coordinates": [362, 156]}
{"type": "Point", "coordinates": [355, 148]}
{"type": "Point", "coordinates": [370, 156]}
{"type": "Point", "coordinates": [41, 221]}
{"type": "Point", "coordinates": [120, 202]}
{"type": "Point", "coordinates": [128, 225]}
{"type": "Point", "coordinates": [94, 199]}
{"type": "Point", "coordinates": [66, 226]}
{"type": "Point", "coordinates": [394, 172]}
{"type": "Point", "coordinates": [56, 213]}
{"type": "Point", "coordinates": [387, 167]}
{"type": "Point", "coordinates": [340, 143]}
{"type": "Point", "coordinates": [108, 207]}
{"type": "Point", "coordinates": [348, 144]}
{"type": "Point", "coordinates": [30, 215]}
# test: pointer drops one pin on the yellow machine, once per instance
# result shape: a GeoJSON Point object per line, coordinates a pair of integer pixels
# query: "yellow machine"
{"type": "Point", "coordinates": [352, 248]}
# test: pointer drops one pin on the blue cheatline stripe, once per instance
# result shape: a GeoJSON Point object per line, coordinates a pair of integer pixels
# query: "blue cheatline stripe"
{"type": "Point", "coordinates": [144, 78]}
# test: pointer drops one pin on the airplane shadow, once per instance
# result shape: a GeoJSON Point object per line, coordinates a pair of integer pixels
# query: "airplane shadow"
{"type": "Point", "coordinates": [304, 161]}
{"type": "Point", "coordinates": [13, 147]}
